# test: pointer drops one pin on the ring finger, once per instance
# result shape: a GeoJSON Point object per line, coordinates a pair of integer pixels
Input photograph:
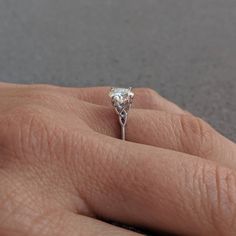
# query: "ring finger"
{"type": "Point", "coordinates": [145, 98]}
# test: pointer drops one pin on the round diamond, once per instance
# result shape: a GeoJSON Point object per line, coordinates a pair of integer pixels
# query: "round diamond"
{"type": "Point", "coordinates": [121, 98]}
{"type": "Point", "coordinates": [121, 95]}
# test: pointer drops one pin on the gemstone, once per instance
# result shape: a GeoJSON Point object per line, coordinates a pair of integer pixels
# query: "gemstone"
{"type": "Point", "coordinates": [121, 95]}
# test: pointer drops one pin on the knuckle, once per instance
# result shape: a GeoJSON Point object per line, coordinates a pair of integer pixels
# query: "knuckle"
{"type": "Point", "coordinates": [226, 192]}
{"type": "Point", "coordinates": [24, 129]}
{"type": "Point", "coordinates": [36, 92]}
{"type": "Point", "coordinates": [196, 135]}
{"type": "Point", "coordinates": [28, 112]}
{"type": "Point", "coordinates": [46, 94]}
{"type": "Point", "coordinates": [148, 97]}
{"type": "Point", "coordinates": [149, 93]}
{"type": "Point", "coordinates": [216, 187]}
{"type": "Point", "coordinates": [43, 86]}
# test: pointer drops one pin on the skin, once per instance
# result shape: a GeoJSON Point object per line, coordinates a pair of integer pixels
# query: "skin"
{"type": "Point", "coordinates": [62, 166]}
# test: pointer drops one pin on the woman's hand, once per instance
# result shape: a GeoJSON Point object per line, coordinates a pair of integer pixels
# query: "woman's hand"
{"type": "Point", "coordinates": [61, 166]}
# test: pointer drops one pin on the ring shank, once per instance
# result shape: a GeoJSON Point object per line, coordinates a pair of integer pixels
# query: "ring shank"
{"type": "Point", "coordinates": [123, 132]}
{"type": "Point", "coordinates": [123, 116]}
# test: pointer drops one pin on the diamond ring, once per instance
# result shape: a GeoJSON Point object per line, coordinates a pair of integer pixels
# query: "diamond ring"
{"type": "Point", "coordinates": [122, 99]}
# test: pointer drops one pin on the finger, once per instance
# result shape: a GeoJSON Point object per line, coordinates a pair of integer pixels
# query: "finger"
{"type": "Point", "coordinates": [145, 98]}
{"type": "Point", "coordinates": [7, 85]}
{"type": "Point", "coordinates": [178, 132]}
{"type": "Point", "coordinates": [157, 188]}
{"type": "Point", "coordinates": [61, 223]}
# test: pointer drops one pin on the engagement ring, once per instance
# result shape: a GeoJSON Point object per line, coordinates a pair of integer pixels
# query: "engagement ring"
{"type": "Point", "coordinates": [122, 99]}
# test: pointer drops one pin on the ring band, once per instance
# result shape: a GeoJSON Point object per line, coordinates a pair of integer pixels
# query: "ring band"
{"type": "Point", "coordinates": [122, 99]}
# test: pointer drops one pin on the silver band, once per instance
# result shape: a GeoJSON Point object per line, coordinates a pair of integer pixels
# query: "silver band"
{"type": "Point", "coordinates": [123, 121]}
{"type": "Point", "coordinates": [122, 99]}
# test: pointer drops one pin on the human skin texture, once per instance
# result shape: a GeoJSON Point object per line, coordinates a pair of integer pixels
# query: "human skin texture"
{"type": "Point", "coordinates": [63, 167]}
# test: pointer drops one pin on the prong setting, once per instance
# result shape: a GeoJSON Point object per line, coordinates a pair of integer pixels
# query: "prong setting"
{"type": "Point", "coordinates": [121, 98]}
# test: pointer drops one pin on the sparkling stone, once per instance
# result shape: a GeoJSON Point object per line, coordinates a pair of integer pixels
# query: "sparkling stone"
{"type": "Point", "coordinates": [121, 96]}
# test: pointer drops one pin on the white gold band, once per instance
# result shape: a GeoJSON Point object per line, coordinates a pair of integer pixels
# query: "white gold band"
{"type": "Point", "coordinates": [122, 99]}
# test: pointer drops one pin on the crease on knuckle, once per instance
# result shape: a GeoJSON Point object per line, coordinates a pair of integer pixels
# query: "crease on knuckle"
{"type": "Point", "coordinates": [149, 96]}
{"type": "Point", "coordinates": [226, 195]}
{"type": "Point", "coordinates": [42, 94]}
{"type": "Point", "coordinates": [150, 93]}
{"type": "Point", "coordinates": [217, 190]}
{"type": "Point", "coordinates": [29, 130]}
{"type": "Point", "coordinates": [196, 136]}
{"type": "Point", "coordinates": [46, 94]}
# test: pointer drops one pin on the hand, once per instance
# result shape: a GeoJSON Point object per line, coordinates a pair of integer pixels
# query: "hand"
{"type": "Point", "coordinates": [61, 167]}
